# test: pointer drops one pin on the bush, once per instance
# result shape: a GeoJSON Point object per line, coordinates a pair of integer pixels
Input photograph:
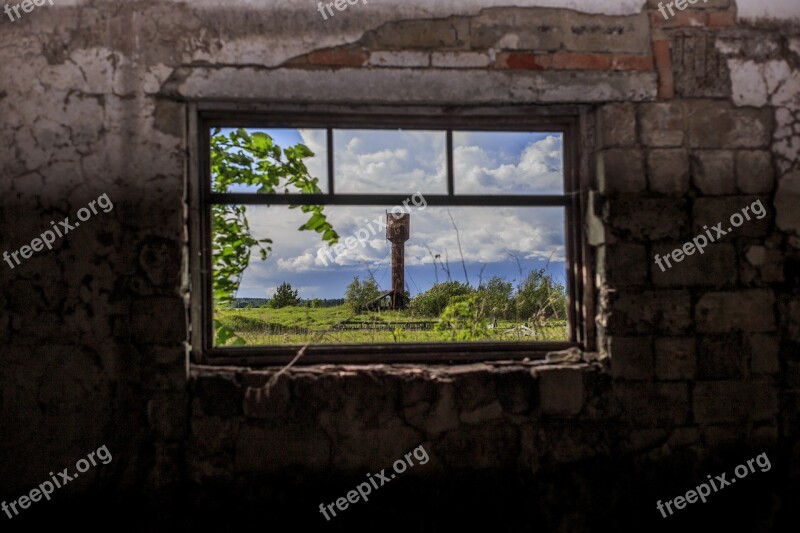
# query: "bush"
{"type": "Point", "coordinates": [433, 301]}
{"type": "Point", "coordinates": [461, 320]}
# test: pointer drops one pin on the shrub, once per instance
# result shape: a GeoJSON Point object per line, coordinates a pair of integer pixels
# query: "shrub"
{"type": "Point", "coordinates": [360, 294]}
{"type": "Point", "coordinates": [284, 297]}
{"type": "Point", "coordinates": [433, 301]}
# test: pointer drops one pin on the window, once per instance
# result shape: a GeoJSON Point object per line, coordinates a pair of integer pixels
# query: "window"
{"type": "Point", "coordinates": [459, 236]}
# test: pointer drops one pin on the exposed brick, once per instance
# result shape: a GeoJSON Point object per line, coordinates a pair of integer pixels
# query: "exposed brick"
{"type": "Point", "coordinates": [721, 357]}
{"type": "Point", "coordinates": [721, 19]}
{"type": "Point", "coordinates": [715, 267]}
{"type": "Point", "coordinates": [626, 62]}
{"type": "Point", "coordinates": [617, 125]}
{"type": "Point", "coordinates": [668, 171]}
{"type": "Point", "coordinates": [734, 401]}
{"type": "Point", "coordinates": [338, 58]}
{"type": "Point", "coordinates": [399, 59]}
{"type": "Point", "coordinates": [622, 264]}
{"type": "Point", "coordinates": [661, 53]}
{"type": "Point", "coordinates": [460, 59]}
{"type": "Point", "coordinates": [754, 171]}
{"type": "Point", "coordinates": [750, 310]}
{"type": "Point", "coordinates": [675, 358]}
{"type": "Point", "coordinates": [666, 84]}
{"type": "Point", "coordinates": [621, 170]}
{"type": "Point", "coordinates": [631, 357]}
{"type": "Point", "coordinates": [523, 61]}
{"type": "Point", "coordinates": [662, 124]}
{"type": "Point", "coordinates": [712, 171]}
{"type": "Point", "coordinates": [561, 390]}
{"type": "Point", "coordinates": [576, 61]}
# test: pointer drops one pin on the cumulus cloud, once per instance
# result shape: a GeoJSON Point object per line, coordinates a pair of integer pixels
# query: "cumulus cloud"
{"type": "Point", "coordinates": [488, 234]}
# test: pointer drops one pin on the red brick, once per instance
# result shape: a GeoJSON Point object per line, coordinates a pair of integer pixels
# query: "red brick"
{"type": "Point", "coordinates": [666, 84]}
{"type": "Point", "coordinates": [574, 61]}
{"type": "Point", "coordinates": [721, 19]}
{"type": "Point", "coordinates": [627, 62]}
{"type": "Point", "coordinates": [517, 60]}
{"type": "Point", "coordinates": [340, 58]}
{"type": "Point", "coordinates": [681, 19]}
{"type": "Point", "coordinates": [661, 54]}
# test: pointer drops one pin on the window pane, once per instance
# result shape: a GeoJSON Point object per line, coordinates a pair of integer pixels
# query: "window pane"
{"type": "Point", "coordinates": [317, 165]}
{"type": "Point", "coordinates": [390, 161]}
{"type": "Point", "coordinates": [508, 163]}
{"type": "Point", "coordinates": [517, 254]}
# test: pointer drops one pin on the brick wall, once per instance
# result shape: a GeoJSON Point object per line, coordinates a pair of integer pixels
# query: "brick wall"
{"type": "Point", "coordinates": [688, 121]}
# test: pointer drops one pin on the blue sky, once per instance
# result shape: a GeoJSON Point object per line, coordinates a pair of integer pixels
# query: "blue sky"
{"type": "Point", "coordinates": [404, 162]}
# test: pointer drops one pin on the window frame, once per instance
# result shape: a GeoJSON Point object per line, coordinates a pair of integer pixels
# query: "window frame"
{"type": "Point", "coordinates": [570, 122]}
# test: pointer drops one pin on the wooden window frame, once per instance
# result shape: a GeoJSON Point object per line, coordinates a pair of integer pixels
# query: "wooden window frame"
{"type": "Point", "coordinates": [571, 122]}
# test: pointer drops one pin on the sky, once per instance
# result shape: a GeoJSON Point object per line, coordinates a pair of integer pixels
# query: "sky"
{"type": "Point", "coordinates": [503, 241]}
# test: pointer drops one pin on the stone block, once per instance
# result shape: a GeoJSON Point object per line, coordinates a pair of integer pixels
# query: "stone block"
{"type": "Point", "coordinates": [751, 310]}
{"type": "Point", "coordinates": [754, 171]}
{"type": "Point", "coordinates": [735, 402]}
{"type": "Point", "coordinates": [622, 264]}
{"type": "Point", "coordinates": [584, 32]}
{"type": "Point", "coordinates": [460, 60]}
{"type": "Point", "coordinates": [518, 29]}
{"type": "Point", "coordinates": [716, 266]}
{"type": "Point", "coordinates": [709, 212]}
{"type": "Point", "coordinates": [621, 170]}
{"type": "Point", "coordinates": [617, 125]}
{"type": "Point", "coordinates": [712, 171]}
{"type": "Point", "coordinates": [561, 390]}
{"type": "Point", "coordinates": [668, 171]}
{"type": "Point", "coordinates": [721, 357]}
{"type": "Point", "coordinates": [647, 219]}
{"type": "Point", "coordinates": [648, 312]}
{"type": "Point", "coordinates": [717, 124]}
{"type": "Point", "coordinates": [787, 198]}
{"type": "Point", "coordinates": [675, 358]}
{"type": "Point", "coordinates": [662, 124]}
{"type": "Point", "coordinates": [660, 405]}
{"type": "Point", "coordinates": [399, 59]}
{"type": "Point", "coordinates": [631, 357]}
{"type": "Point", "coordinates": [764, 351]}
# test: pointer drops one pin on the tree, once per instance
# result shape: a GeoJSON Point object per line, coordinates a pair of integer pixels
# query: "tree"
{"type": "Point", "coordinates": [240, 158]}
{"type": "Point", "coordinates": [360, 294]}
{"type": "Point", "coordinates": [495, 298]}
{"type": "Point", "coordinates": [540, 298]}
{"type": "Point", "coordinates": [284, 297]}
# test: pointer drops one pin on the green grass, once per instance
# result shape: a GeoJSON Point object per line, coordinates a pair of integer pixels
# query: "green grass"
{"type": "Point", "coordinates": [301, 325]}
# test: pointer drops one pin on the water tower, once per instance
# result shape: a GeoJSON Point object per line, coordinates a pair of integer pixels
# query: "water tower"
{"type": "Point", "coordinates": [398, 229]}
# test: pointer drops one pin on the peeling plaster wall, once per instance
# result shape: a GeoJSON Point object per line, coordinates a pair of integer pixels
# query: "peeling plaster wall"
{"type": "Point", "coordinates": [687, 121]}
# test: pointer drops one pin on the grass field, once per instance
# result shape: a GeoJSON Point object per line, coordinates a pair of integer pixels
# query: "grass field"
{"type": "Point", "coordinates": [338, 325]}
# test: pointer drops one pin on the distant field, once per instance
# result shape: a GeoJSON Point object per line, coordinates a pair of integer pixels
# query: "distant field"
{"type": "Point", "coordinates": [337, 325]}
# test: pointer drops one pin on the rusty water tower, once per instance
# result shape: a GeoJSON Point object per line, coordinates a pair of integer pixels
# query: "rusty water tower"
{"type": "Point", "coordinates": [398, 230]}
